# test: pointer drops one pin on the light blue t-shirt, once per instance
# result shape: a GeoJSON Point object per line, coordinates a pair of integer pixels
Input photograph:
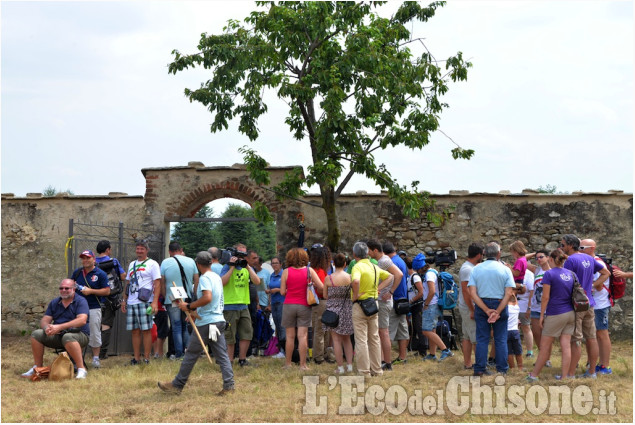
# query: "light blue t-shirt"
{"type": "Point", "coordinates": [263, 298]}
{"type": "Point", "coordinates": [212, 312]}
{"type": "Point", "coordinates": [217, 267]}
{"type": "Point", "coordinates": [491, 278]}
{"type": "Point", "coordinates": [170, 270]}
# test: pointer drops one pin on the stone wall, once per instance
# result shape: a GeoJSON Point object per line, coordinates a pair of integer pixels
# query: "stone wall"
{"type": "Point", "coordinates": [35, 229]}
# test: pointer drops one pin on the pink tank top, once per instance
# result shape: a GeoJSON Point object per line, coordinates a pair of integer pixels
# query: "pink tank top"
{"type": "Point", "coordinates": [296, 286]}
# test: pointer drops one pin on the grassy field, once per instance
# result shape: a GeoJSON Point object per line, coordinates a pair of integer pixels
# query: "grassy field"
{"type": "Point", "coordinates": [267, 393]}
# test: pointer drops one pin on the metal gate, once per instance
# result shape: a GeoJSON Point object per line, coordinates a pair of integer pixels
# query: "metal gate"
{"type": "Point", "coordinates": [83, 236]}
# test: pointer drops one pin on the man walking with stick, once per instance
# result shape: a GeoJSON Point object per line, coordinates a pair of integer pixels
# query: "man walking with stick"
{"type": "Point", "coordinates": [209, 328]}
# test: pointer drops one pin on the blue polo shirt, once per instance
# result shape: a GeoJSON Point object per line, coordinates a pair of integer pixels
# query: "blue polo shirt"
{"type": "Point", "coordinates": [491, 278]}
{"type": "Point", "coordinates": [274, 282]}
{"type": "Point", "coordinates": [95, 279]}
{"type": "Point", "coordinates": [61, 314]}
{"type": "Point", "coordinates": [402, 290]}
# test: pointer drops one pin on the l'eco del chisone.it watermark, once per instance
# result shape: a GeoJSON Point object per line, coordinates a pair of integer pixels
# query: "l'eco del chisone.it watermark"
{"type": "Point", "coordinates": [461, 395]}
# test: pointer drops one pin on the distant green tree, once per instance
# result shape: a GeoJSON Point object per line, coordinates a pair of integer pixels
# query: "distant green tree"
{"type": "Point", "coordinates": [52, 191]}
{"type": "Point", "coordinates": [197, 236]}
{"type": "Point", "coordinates": [260, 237]}
{"type": "Point", "coordinates": [550, 189]}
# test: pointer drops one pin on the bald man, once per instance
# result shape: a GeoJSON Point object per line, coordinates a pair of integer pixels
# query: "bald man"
{"type": "Point", "coordinates": [602, 307]}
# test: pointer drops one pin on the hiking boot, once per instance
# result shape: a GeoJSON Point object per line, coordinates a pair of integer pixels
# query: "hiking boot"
{"type": "Point", "coordinates": [399, 360]}
{"type": "Point", "coordinates": [243, 363]}
{"type": "Point", "coordinates": [96, 363]}
{"type": "Point", "coordinates": [167, 387]}
{"type": "Point", "coordinates": [318, 361]}
{"type": "Point", "coordinates": [134, 362]}
{"type": "Point", "coordinates": [225, 391]}
{"type": "Point", "coordinates": [604, 370]}
{"type": "Point", "coordinates": [81, 374]}
{"type": "Point", "coordinates": [430, 357]}
{"type": "Point", "coordinates": [29, 372]}
{"type": "Point", "coordinates": [445, 354]}
{"type": "Point", "coordinates": [386, 366]}
{"type": "Point", "coordinates": [532, 379]}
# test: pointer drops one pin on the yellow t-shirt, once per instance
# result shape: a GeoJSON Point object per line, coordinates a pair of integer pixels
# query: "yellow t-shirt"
{"type": "Point", "coordinates": [368, 278]}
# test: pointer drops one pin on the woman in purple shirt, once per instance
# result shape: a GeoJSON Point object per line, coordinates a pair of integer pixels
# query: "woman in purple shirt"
{"type": "Point", "coordinates": [557, 317]}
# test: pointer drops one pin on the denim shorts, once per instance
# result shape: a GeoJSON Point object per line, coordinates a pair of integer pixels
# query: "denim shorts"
{"type": "Point", "coordinates": [430, 317]}
{"type": "Point", "coordinates": [535, 314]}
{"type": "Point", "coordinates": [602, 319]}
{"type": "Point", "coordinates": [513, 343]}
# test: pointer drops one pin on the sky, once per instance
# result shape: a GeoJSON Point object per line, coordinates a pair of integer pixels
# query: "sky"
{"type": "Point", "coordinates": [87, 102]}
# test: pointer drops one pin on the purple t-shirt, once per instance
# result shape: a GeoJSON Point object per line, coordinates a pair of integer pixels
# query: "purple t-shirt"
{"type": "Point", "coordinates": [584, 266]}
{"type": "Point", "coordinates": [561, 282]}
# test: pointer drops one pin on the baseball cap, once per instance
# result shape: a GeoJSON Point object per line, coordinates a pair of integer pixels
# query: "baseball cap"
{"type": "Point", "coordinates": [87, 253]}
{"type": "Point", "coordinates": [419, 261]}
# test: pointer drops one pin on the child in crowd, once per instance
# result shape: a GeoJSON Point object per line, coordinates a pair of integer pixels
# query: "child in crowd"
{"type": "Point", "coordinates": [514, 348]}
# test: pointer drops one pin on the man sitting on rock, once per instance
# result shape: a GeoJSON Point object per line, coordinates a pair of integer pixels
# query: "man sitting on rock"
{"type": "Point", "coordinates": [63, 326]}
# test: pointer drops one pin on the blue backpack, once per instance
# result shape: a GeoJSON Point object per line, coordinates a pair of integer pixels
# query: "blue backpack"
{"type": "Point", "coordinates": [448, 290]}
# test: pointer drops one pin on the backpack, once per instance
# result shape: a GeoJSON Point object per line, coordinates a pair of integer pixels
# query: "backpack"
{"type": "Point", "coordinates": [617, 285]}
{"type": "Point", "coordinates": [448, 290]}
{"type": "Point", "coordinates": [446, 333]}
{"type": "Point", "coordinates": [113, 301]}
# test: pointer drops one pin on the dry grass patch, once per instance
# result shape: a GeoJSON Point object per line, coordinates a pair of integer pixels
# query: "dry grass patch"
{"type": "Point", "coordinates": [266, 393]}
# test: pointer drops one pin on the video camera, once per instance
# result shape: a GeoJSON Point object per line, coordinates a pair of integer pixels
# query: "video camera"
{"type": "Point", "coordinates": [445, 257]}
{"type": "Point", "coordinates": [607, 261]}
{"type": "Point", "coordinates": [228, 253]}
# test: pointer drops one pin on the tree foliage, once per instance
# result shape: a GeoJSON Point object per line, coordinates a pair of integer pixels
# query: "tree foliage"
{"type": "Point", "coordinates": [52, 191]}
{"type": "Point", "coordinates": [199, 236]}
{"type": "Point", "coordinates": [352, 83]}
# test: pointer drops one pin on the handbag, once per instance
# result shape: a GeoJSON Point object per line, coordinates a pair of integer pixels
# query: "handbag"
{"type": "Point", "coordinates": [402, 306]}
{"type": "Point", "coordinates": [272, 347]}
{"type": "Point", "coordinates": [311, 296]}
{"type": "Point", "coordinates": [329, 317]}
{"type": "Point", "coordinates": [369, 305]}
{"type": "Point", "coordinates": [145, 294]}
{"type": "Point", "coordinates": [579, 297]}
{"type": "Point", "coordinates": [62, 368]}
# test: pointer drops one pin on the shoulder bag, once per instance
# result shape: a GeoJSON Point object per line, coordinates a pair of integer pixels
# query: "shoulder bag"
{"type": "Point", "coordinates": [369, 305]}
{"type": "Point", "coordinates": [311, 296]}
{"type": "Point", "coordinates": [578, 296]}
{"type": "Point", "coordinates": [329, 317]}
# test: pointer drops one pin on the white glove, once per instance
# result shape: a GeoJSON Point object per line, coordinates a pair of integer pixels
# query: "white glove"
{"type": "Point", "coordinates": [213, 332]}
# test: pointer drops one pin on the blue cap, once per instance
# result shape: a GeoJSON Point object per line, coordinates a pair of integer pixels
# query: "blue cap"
{"type": "Point", "coordinates": [419, 261]}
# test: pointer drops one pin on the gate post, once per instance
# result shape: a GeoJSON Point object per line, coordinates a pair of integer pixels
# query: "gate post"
{"type": "Point", "coordinates": [120, 253]}
{"type": "Point", "coordinates": [69, 255]}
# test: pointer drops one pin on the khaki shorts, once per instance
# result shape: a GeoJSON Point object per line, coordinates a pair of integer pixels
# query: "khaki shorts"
{"type": "Point", "coordinates": [296, 316]}
{"type": "Point", "coordinates": [468, 326]}
{"type": "Point", "coordinates": [385, 307]}
{"type": "Point", "coordinates": [238, 320]}
{"type": "Point", "coordinates": [525, 319]}
{"type": "Point", "coordinates": [59, 340]}
{"type": "Point", "coordinates": [560, 324]}
{"type": "Point", "coordinates": [584, 325]}
{"type": "Point", "coordinates": [398, 326]}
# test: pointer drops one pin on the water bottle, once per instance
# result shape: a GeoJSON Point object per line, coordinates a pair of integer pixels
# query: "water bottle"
{"type": "Point", "coordinates": [149, 310]}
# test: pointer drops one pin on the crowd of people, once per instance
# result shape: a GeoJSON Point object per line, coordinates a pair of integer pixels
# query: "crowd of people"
{"type": "Point", "coordinates": [373, 299]}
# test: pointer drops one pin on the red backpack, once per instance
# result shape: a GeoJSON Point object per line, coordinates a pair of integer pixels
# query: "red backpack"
{"type": "Point", "coordinates": [617, 285]}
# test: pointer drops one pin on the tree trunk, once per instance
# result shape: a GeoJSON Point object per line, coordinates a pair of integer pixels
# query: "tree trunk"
{"type": "Point", "coordinates": [330, 208]}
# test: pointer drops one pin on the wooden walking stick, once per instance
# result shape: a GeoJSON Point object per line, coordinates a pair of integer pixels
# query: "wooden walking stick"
{"type": "Point", "coordinates": [189, 316]}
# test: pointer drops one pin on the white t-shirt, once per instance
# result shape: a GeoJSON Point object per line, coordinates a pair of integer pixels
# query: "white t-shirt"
{"type": "Point", "coordinates": [601, 297]}
{"type": "Point", "coordinates": [523, 299]}
{"type": "Point", "coordinates": [146, 273]}
{"type": "Point", "coordinates": [412, 288]}
{"type": "Point", "coordinates": [464, 276]}
{"type": "Point", "coordinates": [431, 276]}
{"type": "Point", "coordinates": [512, 321]}
{"type": "Point", "coordinates": [536, 300]}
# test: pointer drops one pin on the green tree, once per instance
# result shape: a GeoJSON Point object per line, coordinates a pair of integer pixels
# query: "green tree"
{"type": "Point", "coordinates": [352, 84]}
{"type": "Point", "coordinates": [196, 236]}
{"type": "Point", "coordinates": [260, 237]}
{"type": "Point", "coordinates": [52, 191]}
{"type": "Point", "coordinates": [548, 188]}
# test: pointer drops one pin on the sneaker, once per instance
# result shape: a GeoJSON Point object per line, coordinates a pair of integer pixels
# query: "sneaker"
{"type": "Point", "coordinates": [486, 373]}
{"type": "Point", "coordinates": [589, 375]}
{"type": "Point", "coordinates": [560, 377]}
{"type": "Point", "coordinates": [529, 354]}
{"type": "Point", "coordinates": [146, 361]}
{"type": "Point", "coordinates": [604, 370]}
{"type": "Point", "coordinates": [349, 368]}
{"type": "Point", "coordinates": [243, 363]}
{"type": "Point", "coordinates": [96, 363]}
{"type": "Point", "coordinates": [386, 366]}
{"type": "Point", "coordinates": [445, 354]}
{"type": "Point", "coordinates": [318, 361]}
{"type": "Point", "coordinates": [399, 360]}
{"type": "Point", "coordinates": [225, 391]}
{"type": "Point", "coordinates": [280, 355]}
{"type": "Point", "coordinates": [430, 357]}
{"type": "Point", "coordinates": [81, 374]}
{"type": "Point", "coordinates": [134, 362]}
{"type": "Point", "coordinates": [339, 370]}
{"type": "Point", "coordinates": [172, 357]}
{"type": "Point", "coordinates": [329, 360]}
{"type": "Point", "coordinates": [167, 387]}
{"type": "Point", "coordinates": [531, 379]}
{"type": "Point", "coordinates": [548, 363]}
{"type": "Point", "coordinates": [29, 372]}
{"type": "Point", "coordinates": [471, 367]}
{"type": "Point", "coordinates": [491, 362]}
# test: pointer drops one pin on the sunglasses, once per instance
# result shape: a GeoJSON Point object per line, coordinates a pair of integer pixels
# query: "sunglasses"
{"type": "Point", "coordinates": [584, 247]}
{"type": "Point", "coordinates": [540, 257]}
{"type": "Point", "coordinates": [61, 288]}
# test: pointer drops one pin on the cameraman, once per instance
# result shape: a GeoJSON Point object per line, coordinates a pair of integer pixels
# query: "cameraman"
{"type": "Point", "coordinates": [235, 276]}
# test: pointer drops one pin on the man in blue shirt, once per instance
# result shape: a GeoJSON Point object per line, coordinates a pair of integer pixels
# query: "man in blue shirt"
{"type": "Point", "coordinates": [491, 286]}
{"type": "Point", "coordinates": [210, 324]}
{"type": "Point", "coordinates": [398, 322]}
{"type": "Point", "coordinates": [64, 325]}
{"type": "Point", "coordinates": [92, 284]}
